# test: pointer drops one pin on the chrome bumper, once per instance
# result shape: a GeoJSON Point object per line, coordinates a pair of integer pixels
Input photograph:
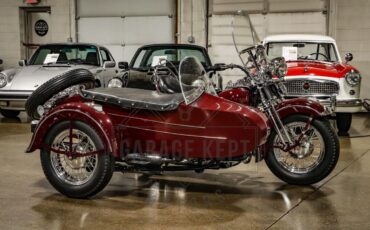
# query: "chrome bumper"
{"type": "Point", "coordinates": [14, 99]}
{"type": "Point", "coordinates": [349, 103]}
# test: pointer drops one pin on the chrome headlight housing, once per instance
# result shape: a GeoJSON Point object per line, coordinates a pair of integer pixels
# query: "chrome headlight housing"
{"type": "Point", "coordinates": [279, 67]}
{"type": "Point", "coordinates": [353, 78]}
{"type": "Point", "coordinates": [3, 80]}
{"type": "Point", "coordinates": [115, 83]}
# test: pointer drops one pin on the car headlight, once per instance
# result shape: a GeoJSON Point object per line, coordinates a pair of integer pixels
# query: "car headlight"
{"type": "Point", "coordinates": [115, 83]}
{"type": "Point", "coordinates": [3, 80]}
{"type": "Point", "coordinates": [353, 78]}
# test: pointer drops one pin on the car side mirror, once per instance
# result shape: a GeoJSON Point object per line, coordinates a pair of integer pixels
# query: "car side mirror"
{"type": "Point", "coordinates": [22, 62]}
{"type": "Point", "coordinates": [123, 65]}
{"type": "Point", "coordinates": [109, 64]}
{"type": "Point", "coordinates": [1, 61]}
{"type": "Point", "coordinates": [348, 57]}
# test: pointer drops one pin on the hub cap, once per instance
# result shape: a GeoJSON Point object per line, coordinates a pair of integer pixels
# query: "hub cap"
{"type": "Point", "coordinates": [306, 156]}
{"type": "Point", "coordinates": [74, 170]}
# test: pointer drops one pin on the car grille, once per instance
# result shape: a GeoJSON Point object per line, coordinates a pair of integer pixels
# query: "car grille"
{"type": "Point", "coordinates": [310, 87]}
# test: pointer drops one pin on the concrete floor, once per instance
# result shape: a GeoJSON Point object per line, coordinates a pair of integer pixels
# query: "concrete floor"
{"type": "Point", "coordinates": [244, 197]}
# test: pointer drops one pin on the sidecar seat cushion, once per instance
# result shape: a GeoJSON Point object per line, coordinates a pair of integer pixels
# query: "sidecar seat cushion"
{"type": "Point", "coordinates": [135, 98]}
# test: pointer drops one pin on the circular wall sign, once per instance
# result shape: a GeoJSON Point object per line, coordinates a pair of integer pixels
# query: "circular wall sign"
{"type": "Point", "coordinates": [41, 27]}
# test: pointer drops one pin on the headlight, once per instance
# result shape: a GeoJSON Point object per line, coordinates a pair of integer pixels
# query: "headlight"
{"type": "Point", "coordinates": [279, 67]}
{"type": "Point", "coordinates": [115, 83]}
{"type": "Point", "coordinates": [353, 78]}
{"type": "Point", "coordinates": [3, 80]}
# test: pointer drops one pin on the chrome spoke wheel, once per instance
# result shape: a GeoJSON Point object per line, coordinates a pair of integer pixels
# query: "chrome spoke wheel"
{"type": "Point", "coordinates": [73, 170]}
{"type": "Point", "coordinates": [307, 155]}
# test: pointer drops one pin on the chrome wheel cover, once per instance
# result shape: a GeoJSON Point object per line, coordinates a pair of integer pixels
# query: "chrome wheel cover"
{"type": "Point", "coordinates": [305, 157]}
{"type": "Point", "coordinates": [74, 170]}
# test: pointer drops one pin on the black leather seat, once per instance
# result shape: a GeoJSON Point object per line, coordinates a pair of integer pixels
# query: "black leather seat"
{"type": "Point", "coordinates": [135, 98]}
{"type": "Point", "coordinates": [92, 58]}
{"type": "Point", "coordinates": [62, 57]}
{"type": "Point", "coordinates": [169, 82]}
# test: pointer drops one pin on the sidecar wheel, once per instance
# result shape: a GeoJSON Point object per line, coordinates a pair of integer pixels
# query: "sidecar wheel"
{"type": "Point", "coordinates": [309, 163]}
{"type": "Point", "coordinates": [76, 177]}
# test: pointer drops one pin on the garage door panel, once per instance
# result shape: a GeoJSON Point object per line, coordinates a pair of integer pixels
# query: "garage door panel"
{"type": "Point", "coordinates": [129, 52]}
{"type": "Point", "coordinates": [124, 25]}
{"type": "Point", "coordinates": [100, 30]}
{"type": "Point", "coordinates": [124, 7]}
{"type": "Point", "coordinates": [296, 5]}
{"type": "Point", "coordinates": [141, 30]}
{"type": "Point", "coordinates": [117, 51]}
{"type": "Point", "coordinates": [233, 5]}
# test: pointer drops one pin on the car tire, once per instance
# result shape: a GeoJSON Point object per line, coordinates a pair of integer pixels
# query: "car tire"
{"type": "Point", "coordinates": [344, 121]}
{"type": "Point", "coordinates": [100, 174]}
{"type": "Point", "coordinates": [9, 113]}
{"type": "Point", "coordinates": [322, 169]}
{"type": "Point", "coordinates": [43, 93]}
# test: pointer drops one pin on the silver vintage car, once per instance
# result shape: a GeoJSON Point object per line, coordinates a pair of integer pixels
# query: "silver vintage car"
{"type": "Point", "coordinates": [48, 61]}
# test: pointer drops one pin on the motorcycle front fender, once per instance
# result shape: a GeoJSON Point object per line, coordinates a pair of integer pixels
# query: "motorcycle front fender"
{"type": "Point", "coordinates": [300, 106]}
{"type": "Point", "coordinates": [76, 112]}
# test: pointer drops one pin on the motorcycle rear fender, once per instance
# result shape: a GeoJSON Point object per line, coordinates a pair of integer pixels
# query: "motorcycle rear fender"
{"type": "Point", "coordinates": [77, 111]}
{"type": "Point", "coordinates": [300, 106]}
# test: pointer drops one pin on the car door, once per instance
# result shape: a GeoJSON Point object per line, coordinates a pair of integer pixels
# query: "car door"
{"type": "Point", "coordinates": [107, 73]}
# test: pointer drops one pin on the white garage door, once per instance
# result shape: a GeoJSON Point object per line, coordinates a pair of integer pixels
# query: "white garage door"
{"type": "Point", "coordinates": [124, 25]}
{"type": "Point", "coordinates": [283, 17]}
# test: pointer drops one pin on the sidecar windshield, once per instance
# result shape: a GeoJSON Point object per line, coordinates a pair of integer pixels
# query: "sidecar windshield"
{"type": "Point", "coordinates": [194, 80]}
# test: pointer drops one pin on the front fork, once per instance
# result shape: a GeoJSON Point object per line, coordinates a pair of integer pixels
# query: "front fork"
{"type": "Point", "coordinates": [287, 142]}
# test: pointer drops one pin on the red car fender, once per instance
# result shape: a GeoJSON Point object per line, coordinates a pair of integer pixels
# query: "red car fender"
{"type": "Point", "coordinates": [300, 106]}
{"type": "Point", "coordinates": [77, 111]}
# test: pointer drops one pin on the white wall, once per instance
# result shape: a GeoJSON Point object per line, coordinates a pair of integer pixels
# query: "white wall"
{"type": "Point", "coordinates": [10, 39]}
{"type": "Point", "coordinates": [350, 26]}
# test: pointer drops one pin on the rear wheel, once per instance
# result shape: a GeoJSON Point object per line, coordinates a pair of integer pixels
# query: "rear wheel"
{"type": "Point", "coordinates": [344, 121]}
{"type": "Point", "coordinates": [309, 162]}
{"type": "Point", "coordinates": [9, 113]}
{"type": "Point", "coordinates": [76, 177]}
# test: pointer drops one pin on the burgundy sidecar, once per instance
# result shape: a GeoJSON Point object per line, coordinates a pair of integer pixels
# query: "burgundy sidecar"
{"type": "Point", "coordinates": [85, 135]}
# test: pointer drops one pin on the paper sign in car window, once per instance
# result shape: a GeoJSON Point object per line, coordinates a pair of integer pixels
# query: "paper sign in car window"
{"type": "Point", "coordinates": [159, 60]}
{"type": "Point", "coordinates": [51, 58]}
{"type": "Point", "coordinates": [290, 53]}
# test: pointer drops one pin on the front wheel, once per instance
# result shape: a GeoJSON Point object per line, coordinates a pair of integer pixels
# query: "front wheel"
{"type": "Point", "coordinates": [312, 160]}
{"type": "Point", "coordinates": [76, 177]}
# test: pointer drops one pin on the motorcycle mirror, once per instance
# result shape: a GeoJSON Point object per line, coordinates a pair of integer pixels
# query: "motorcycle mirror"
{"type": "Point", "coordinates": [218, 67]}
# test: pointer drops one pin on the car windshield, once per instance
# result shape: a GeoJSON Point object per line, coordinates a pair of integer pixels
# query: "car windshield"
{"type": "Point", "coordinates": [65, 54]}
{"type": "Point", "coordinates": [152, 56]}
{"type": "Point", "coordinates": [302, 51]}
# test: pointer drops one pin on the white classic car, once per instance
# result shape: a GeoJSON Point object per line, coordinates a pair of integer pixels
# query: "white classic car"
{"type": "Point", "coordinates": [315, 69]}
{"type": "Point", "coordinates": [48, 61]}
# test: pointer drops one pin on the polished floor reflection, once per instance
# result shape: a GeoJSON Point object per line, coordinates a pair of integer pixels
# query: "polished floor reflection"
{"type": "Point", "coordinates": [244, 197]}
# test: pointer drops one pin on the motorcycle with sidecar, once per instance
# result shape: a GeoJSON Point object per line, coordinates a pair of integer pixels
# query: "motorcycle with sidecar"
{"type": "Point", "coordinates": [85, 134]}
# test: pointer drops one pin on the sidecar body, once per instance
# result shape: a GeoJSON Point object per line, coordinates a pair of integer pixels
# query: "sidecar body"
{"type": "Point", "coordinates": [182, 123]}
